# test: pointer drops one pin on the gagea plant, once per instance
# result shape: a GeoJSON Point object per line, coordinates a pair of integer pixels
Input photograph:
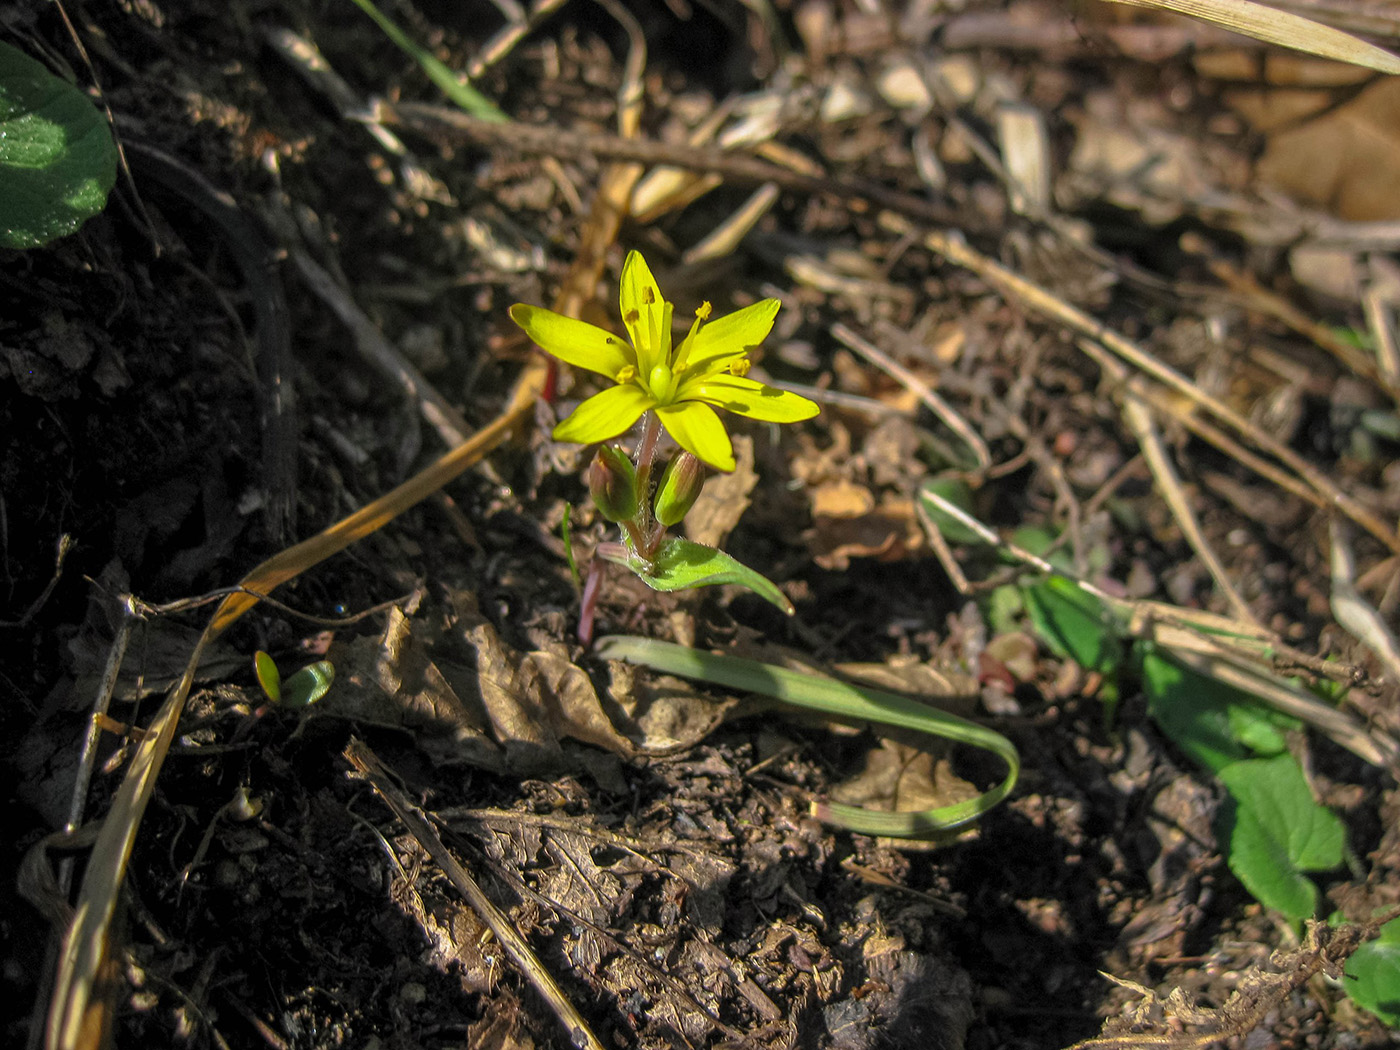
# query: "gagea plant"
{"type": "Point", "coordinates": [669, 387]}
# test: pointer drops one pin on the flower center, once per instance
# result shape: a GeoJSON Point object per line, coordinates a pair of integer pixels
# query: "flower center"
{"type": "Point", "coordinates": [662, 384]}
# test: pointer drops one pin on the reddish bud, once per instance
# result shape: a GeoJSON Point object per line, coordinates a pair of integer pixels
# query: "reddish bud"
{"type": "Point", "coordinates": [612, 482]}
{"type": "Point", "coordinates": [679, 489]}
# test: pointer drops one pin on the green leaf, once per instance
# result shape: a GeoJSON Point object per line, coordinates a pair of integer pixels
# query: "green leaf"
{"type": "Point", "coordinates": [455, 87]}
{"type": "Point", "coordinates": [1075, 625]}
{"type": "Point", "coordinates": [268, 676]}
{"type": "Point", "coordinates": [1215, 724]}
{"type": "Point", "coordinates": [680, 564]}
{"type": "Point", "coordinates": [1272, 829]}
{"type": "Point", "coordinates": [57, 159]}
{"type": "Point", "coordinates": [1276, 831]}
{"type": "Point", "coordinates": [1003, 609]}
{"type": "Point", "coordinates": [308, 685]}
{"type": "Point", "coordinates": [843, 700]}
{"type": "Point", "coordinates": [1260, 861]}
{"type": "Point", "coordinates": [1373, 975]}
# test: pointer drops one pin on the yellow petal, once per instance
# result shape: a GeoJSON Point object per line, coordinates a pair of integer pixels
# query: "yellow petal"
{"type": "Point", "coordinates": [575, 342]}
{"type": "Point", "coordinates": [698, 430]}
{"type": "Point", "coordinates": [644, 313]}
{"type": "Point", "coordinates": [604, 415]}
{"type": "Point", "coordinates": [731, 335]}
{"type": "Point", "coordinates": [746, 397]}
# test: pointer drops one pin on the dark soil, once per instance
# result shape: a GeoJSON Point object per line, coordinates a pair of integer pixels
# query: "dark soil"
{"type": "Point", "coordinates": [684, 898]}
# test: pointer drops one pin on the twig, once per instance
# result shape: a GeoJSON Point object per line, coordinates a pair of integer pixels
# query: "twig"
{"type": "Point", "coordinates": [1357, 616]}
{"type": "Point", "coordinates": [957, 251]}
{"type": "Point", "coordinates": [504, 42]}
{"type": "Point", "coordinates": [451, 426]}
{"type": "Point", "coordinates": [940, 408]}
{"type": "Point", "coordinates": [1263, 301]}
{"type": "Point", "coordinates": [454, 127]}
{"type": "Point", "coordinates": [65, 545]}
{"type": "Point", "coordinates": [364, 760]}
{"type": "Point", "coordinates": [259, 267]}
{"type": "Point", "coordinates": [1149, 439]}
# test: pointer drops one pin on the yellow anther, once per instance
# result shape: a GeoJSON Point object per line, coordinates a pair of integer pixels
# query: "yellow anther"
{"type": "Point", "coordinates": [625, 374]}
{"type": "Point", "coordinates": [704, 312]}
{"type": "Point", "coordinates": [740, 366]}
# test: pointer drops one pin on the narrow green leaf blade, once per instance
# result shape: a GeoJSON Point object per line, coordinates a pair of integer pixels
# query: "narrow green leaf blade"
{"type": "Point", "coordinates": [844, 701]}
{"type": "Point", "coordinates": [680, 564]}
{"type": "Point", "coordinates": [57, 158]}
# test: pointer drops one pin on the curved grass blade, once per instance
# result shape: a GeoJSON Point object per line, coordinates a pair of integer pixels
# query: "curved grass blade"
{"type": "Point", "coordinates": [833, 697]}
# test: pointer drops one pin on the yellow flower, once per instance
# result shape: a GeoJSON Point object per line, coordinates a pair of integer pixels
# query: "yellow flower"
{"type": "Point", "coordinates": [682, 384]}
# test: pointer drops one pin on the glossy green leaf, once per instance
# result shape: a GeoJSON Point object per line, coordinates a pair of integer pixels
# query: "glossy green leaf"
{"type": "Point", "coordinates": [680, 564]}
{"type": "Point", "coordinates": [57, 158]}
{"type": "Point", "coordinates": [308, 685]}
{"type": "Point", "coordinates": [1373, 975]}
{"type": "Point", "coordinates": [268, 676]}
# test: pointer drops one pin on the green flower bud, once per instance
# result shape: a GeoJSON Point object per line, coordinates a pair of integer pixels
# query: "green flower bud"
{"type": "Point", "coordinates": [612, 482]}
{"type": "Point", "coordinates": [679, 489]}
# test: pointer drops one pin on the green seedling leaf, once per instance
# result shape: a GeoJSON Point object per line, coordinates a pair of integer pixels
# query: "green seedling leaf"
{"type": "Point", "coordinates": [1033, 538]}
{"type": "Point", "coordinates": [1004, 608]}
{"type": "Point", "coordinates": [1213, 723]}
{"type": "Point", "coordinates": [308, 685]}
{"type": "Point", "coordinates": [1275, 831]}
{"type": "Point", "coordinates": [300, 690]}
{"type": "Point", "coordinates": [1075, 625]}
{"type": "Point", "coordinates": [268, 676]}
{"type": "Point", "coordinates": [956, 492]}
{"type": "Point", "coordinates": [842, 700]}
{"type": "Point", "coordinates": [1373, 975]}
{"type": "Point", "coordinates": [680, 564]}
{"type": "Point", "coordinates": [462, 94]}
{"type": "Point", "coordinates": [57, 159]}
{"type": "Point", "coordinates": [1272, 828]}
